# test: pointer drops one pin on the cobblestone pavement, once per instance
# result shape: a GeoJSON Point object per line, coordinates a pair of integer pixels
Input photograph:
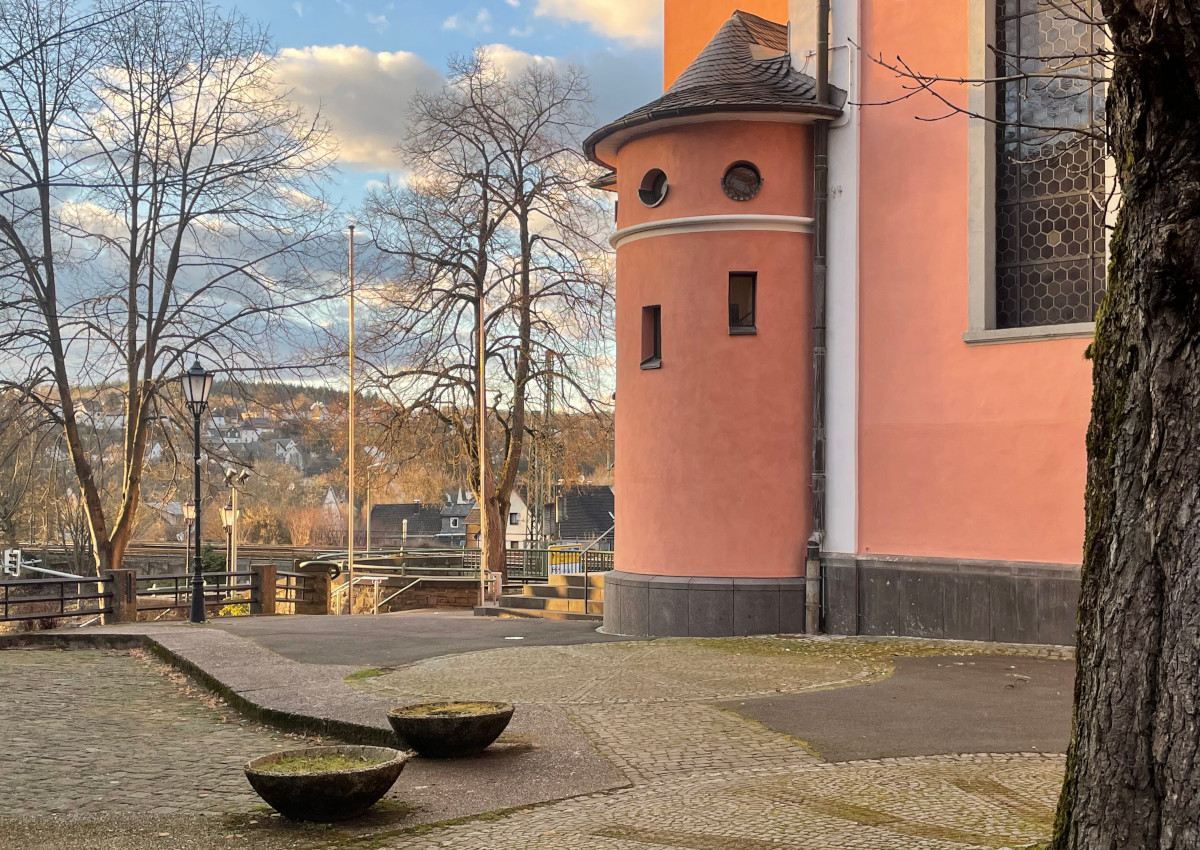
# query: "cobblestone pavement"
{"type": "Point", "coordinates": [701, 778]}
{"type": "Point", "coordinates": [101, 733]}
{"type": "Point", "coordinates": [930, 803]}
{"type": "Point", "coordinates": [665, 670]}
{"type": "Point", "coordinates": [669, 669]}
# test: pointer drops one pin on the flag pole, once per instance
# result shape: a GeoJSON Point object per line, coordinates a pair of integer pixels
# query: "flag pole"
{"type": "Point", "coordinates": [350, 487]}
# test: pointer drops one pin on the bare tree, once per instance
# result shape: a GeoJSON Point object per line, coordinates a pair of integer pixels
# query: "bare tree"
{"type": "Point", "coordinates": [495, 228]}
{"type": "Point", "coordinates": [160, 198]}
{"type": "Point", "coordinates": [1131, 780]}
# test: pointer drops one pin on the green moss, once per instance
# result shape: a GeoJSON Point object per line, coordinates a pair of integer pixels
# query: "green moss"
{"type": "Point", "coordinates": [448, 709]}
{"type": "Point", "coordinates": [361, 675]}
{"type": "Point", "coordinates": [323, 763]}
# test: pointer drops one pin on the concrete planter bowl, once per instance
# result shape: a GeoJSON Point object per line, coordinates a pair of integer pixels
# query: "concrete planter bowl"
{"type": "Point", "coordinates": [442, 730]}
{"type": "Point", "coordinates": [326, 795]}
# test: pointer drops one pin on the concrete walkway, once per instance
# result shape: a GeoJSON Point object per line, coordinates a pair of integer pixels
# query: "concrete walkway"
{"type": "Point", "coordinates": [392, 640]}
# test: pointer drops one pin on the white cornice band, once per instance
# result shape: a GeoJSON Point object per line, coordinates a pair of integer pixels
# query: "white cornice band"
{"type": "Point", "coordinates": [711, 224]}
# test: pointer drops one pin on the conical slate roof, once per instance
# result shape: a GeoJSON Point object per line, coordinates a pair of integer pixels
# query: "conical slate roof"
{"type": "Point", "coordinates": [747, 67]}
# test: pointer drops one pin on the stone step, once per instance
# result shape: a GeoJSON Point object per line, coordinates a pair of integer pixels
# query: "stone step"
{"type": "Point", "coordinates": [561, 591]}
{"type": "Point", "coordinates": [539, 603]}
{"type": "Point", "coordinates": [546, 615]}
{"type": "Point", "coordinates": [576, 580]}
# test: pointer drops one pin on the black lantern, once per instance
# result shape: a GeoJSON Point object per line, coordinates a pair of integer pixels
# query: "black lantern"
{"type": "Point", "coordinates": [197, 384]}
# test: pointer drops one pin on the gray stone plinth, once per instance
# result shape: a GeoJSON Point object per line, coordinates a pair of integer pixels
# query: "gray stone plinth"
{"type": "Point", "coordinates": [683, 606]}
{"type": "Point", "coordinates": [1004, 601]}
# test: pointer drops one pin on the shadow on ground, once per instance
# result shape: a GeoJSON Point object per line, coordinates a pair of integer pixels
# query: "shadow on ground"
{"type": "Point", "coordinates": [393, 640]}
{"type": "Point", "coordinates": [931, 706]}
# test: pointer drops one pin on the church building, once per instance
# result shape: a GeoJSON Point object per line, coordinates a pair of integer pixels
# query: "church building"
{"type": "Point", "coordinates": [852, 322]}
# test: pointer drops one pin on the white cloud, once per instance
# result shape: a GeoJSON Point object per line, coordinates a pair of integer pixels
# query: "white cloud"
{"type": "Point", "coordinates": [635, 22]}
{"type": "Point", "coordinates": [619, 83]}
{"type": "Point", "coordinates": [380, 22]}
{"type": "Point", "coordinates": [521, 33]}
{"type": "Point", "coordinates": [481, 23]}
{"type": "Point", "coordinates": [298, 8]}
{"type": "Point", "coordinates": [513, 3]}
{"type": "Point", "coordinates": [364, 95]}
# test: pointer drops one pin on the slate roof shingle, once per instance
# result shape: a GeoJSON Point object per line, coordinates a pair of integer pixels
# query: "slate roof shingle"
{"type": "Point", "coordinates": [747, 67]}
{"type": "Point", "coordinates": [423, 520]}
{"type": "Point", "coordinates": [585, 512]}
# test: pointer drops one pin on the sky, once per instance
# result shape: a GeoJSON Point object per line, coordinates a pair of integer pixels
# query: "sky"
{"type": "Point", "coordinates": [361, 60]}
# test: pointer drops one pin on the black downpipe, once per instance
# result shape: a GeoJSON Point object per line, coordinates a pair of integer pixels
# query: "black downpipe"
{"type": "Point", "coordinates": [815, 565]}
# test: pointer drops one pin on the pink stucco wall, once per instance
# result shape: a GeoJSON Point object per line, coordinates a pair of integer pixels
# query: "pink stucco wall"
{"type": "Point", "coordinates": [964, 451]}
{"type": "Point", "coordinates": [713, 448]}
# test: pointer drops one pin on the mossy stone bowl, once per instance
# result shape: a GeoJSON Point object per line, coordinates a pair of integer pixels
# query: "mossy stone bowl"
{"type": "Point", "coordinates": [443, 729]}
{"type": "Point", "coordinates": [295, 784]}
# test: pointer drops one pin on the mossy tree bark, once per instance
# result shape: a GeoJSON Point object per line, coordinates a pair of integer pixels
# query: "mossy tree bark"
{"type": "Point", "coordinates": [1133, 771]}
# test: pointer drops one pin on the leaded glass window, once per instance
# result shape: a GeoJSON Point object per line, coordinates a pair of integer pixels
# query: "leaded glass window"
{"type": "Point", "coordinates": [1050, 182]}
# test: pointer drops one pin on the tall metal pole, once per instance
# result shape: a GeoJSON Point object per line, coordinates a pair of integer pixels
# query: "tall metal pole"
{"type": "Point", "coordinates": [197, 614]}
{"type": "Point", "coordinates": [481, 429]}
{"type": "Point", "coordinates": [350, 488]}
{"type": "Point", "coordinates": [233, 532]}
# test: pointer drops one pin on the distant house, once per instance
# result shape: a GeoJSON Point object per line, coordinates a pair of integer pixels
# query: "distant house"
{"type": "Point", "coordinates": [287, 452]}
{"type": "Point", "coordinates": [583, 514]}
{"type": "Point", "coordinates": [516, 524]}
{"type": "Point", "coordinates": [454, 516]}
{"type": "Point", "coordinates": [409, 524]}
{"type": "Point", "coordinates": [332, 504]}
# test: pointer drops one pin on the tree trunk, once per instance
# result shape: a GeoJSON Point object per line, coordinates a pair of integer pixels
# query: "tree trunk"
{"type": "Point", "coordinates": [496, 542]}
{"type": "Point", "coordinates": [1133, 777]}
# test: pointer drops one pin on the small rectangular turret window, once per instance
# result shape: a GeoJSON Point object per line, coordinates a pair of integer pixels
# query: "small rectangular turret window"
{"type": "Point", "coordinates": [652, 337]}
{"type": "Point", "coordinates": [741, 302]}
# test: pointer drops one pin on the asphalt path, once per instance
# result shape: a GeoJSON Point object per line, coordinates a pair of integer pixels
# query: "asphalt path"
{"type": "Point", "coordinates": [393, 640]}
{"type": "Point", "coordinates": [932, 706]}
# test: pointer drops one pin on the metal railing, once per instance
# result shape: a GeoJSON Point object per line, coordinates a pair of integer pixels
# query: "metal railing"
{"type": "Point", "coordinates": [523, 564]}
{"type": "Point", "coordinates": [291, 588]}
{"type": "Point", "coordinates": [51, 597]}
{"type": "Point", "coordinates": [540, 564]}
{"type": "Point", "coordinates": [171, 592]}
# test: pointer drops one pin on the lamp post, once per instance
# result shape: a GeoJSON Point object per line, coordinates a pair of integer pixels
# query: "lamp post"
{"type": "Point", "coordinates": [227, 513]}
{"type": "Point", "coordinates": [189, 516]}
{"type": "Point", "coordinates": [231, 514]}
{"type": "Point", "coordinates": [197, 384]}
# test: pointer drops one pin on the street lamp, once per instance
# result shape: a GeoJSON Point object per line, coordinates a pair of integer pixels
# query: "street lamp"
{"type": "Point", "coordinates": [189, 516]}
{"type": "Point", "coordinates": [197, 384]}
{"type": "Point", "coordinates": [227, 524]}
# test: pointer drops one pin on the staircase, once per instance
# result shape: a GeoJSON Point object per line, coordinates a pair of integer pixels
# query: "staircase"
{"type": "Point", "coordinates": [560, 599]}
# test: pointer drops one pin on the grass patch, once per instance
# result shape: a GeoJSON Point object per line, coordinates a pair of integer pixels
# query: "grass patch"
{"type": "Point", "coordinates": [363, 675]}
{"type": "Point", "coordinates": [448, 709]}
{"type": "Point", "coordinates": [323, 763]}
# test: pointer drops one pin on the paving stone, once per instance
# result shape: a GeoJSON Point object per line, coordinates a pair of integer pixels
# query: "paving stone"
{"type": "Point", "coordinates": [101, 732]}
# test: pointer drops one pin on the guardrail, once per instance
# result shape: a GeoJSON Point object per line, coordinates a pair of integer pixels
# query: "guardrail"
{"type": "Point", "coordinates": [292, 588]}
{"type": "Point", "coordinates": [172, 592]}
{"type": "Point", "coordinates": [523, 564]}
{"type": "Point", "coordinates": [50, 595]}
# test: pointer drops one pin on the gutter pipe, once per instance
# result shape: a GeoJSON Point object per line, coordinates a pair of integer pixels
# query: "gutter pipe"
{"type": "Point", "coordinates": [814, 564]}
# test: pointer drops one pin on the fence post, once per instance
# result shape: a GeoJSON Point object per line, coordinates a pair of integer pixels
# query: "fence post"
{"type": "Point", "coordinates": [263, 588]}
{"type": "Point", "coordinates": [123, 586]}
{"type": "Point", "coordinates": [320, 587]}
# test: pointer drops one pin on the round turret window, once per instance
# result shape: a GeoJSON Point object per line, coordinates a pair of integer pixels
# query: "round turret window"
{"type": "Point", "coordinates": [742, 181]}
{"type": "Point", "coordinates": [653, 190]}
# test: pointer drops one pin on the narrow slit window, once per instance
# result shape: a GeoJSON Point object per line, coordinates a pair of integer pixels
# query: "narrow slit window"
{"type": "Point", "coordinates": [652, 337]}
{"type": "Point", "coordinates": [742, 286]}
